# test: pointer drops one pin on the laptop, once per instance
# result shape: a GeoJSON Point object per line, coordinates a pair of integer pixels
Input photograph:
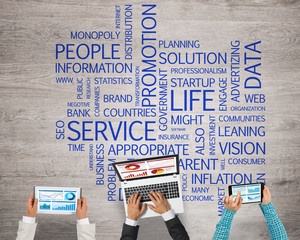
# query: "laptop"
{"type": "Point", "coordinates": [160, 174]}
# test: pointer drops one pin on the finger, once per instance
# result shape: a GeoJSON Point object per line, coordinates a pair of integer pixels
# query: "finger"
{"type": "Point", "coordinates": [83, 201]}
{"type": "Point", "coordinates": [225, 199]}
{"type": "Point", "coordinates": [129, 201]}
{"type": "Point", "coordinates": [230, 199]}
{"type": "Point", "coordinates": [135, 197]}
{"type": "Point", "coordinates": [152, 207]}
{"type": "Point", "coordinates": [240, 202]}
{"type": "Point", "coordinates": [268, 193]}
{"type": "Point", "coordinates": [238, 196]}
{"type": "Point", "coordinates": [30, 200]}
{"type": "Point", "coordinates": [35, 203]}
{"type": "Point", "coordinates": [155, 195]}
{"type": "Point", "coordinates": [144, 206]}
{"type": "Point", "coordinates": [139, 199]}
{"type": "Point", "coordinates": [266, 189]}
{"type": "Point", "coordinates": [152, 198]}
{"type": "Point", "coordinates": [161, 196]}
{"type": "Point", "coordinates": [78, 203]}
{"type": "Point", "coordinates": [163, 199]}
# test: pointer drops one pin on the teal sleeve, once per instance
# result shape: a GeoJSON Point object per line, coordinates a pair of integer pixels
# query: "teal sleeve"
{"type": "Point", "coordinates": [223, 227]}
{"type": "Point", "coordinates": [276, 228]}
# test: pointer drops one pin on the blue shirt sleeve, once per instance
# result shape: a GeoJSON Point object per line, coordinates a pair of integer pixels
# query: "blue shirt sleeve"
{"type": "Point", "coordinates": [223, 227]}
{"type": "Point", "coordinates": [276, 228]}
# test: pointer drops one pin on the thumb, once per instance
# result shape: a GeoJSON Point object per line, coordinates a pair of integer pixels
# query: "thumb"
{"type": "Point", "coordinates": [143, 208]}
{"type": "Point", "coordinates": [35, 202]}
{"type": "Point", "coordinates": [240, 202]}
{"type": "Point", "coordinates": [152, 207]}
{"type": "Point", "coordinates": [78, 203]}
{"type": "Point", "coordinates": [30, 201]}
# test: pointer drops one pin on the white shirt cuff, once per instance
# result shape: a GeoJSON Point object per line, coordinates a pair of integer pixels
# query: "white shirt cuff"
{"type": "Point", "coordinates": [131, 222]}
{"type": "Point", "coordinates": [28, 219]}
{"type": "Point", "coordinates": [168, 215]}
{"type": "Point", "coordinates": [83, 221]}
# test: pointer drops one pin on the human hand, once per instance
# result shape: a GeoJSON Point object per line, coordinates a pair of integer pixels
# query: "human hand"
{"type": "Point", "coordinates": [82, 208]}
{"type": "Point", "coordinates": [161, 203]}
{"type": "Point", "coordinates": [266, 196]}
{"type": "Point", "coordinates": [31, 206]}
{"type": "Point", "coordinates": [233, 205]}
{"type": "Point", "coordinates": [134, 210]}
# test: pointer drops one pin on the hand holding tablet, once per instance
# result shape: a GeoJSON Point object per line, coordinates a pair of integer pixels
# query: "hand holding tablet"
{"type": "Point", "coordinates": [82, 208]}
{"type": "Point", "coordinates": [31, 206]}
{"type": "Point", "coordinates": [266, 196]}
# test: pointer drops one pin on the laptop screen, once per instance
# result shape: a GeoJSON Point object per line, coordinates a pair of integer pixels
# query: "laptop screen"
{"type": "Point", "coordinates": [149, 167]}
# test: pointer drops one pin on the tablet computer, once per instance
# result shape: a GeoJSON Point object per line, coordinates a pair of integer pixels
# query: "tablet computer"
{"type": "Point", "coordinates": [57, 200]}
{"type": "Point", "coordinates": [250, 193]}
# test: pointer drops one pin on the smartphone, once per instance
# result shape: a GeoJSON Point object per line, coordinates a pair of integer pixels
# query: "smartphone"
{"type": "Point", "coordinates": [57, 200]}
{"type": "Point", "coordinates": [250, 193]}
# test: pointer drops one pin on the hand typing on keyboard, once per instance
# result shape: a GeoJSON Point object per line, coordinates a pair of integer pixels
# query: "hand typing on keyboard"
{"type": "Point", "coordinates": [161, 206]}
{"type": "Point", "coordinates": [134, 208]}
{"type": "Point", "coordinates": [161, 203]}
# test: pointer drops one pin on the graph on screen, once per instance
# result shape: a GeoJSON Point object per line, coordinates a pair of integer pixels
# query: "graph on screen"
{"type": "Point", "coordinates": [255, 197]}
{"type": "Point", "coordinates": [51, 195]}
{"type": "Point", "coordinates": [254, 190]}
{"type": "Point", "coordinates": [63, 206]}
{"type": "Point", "coordinates": [44, 206]}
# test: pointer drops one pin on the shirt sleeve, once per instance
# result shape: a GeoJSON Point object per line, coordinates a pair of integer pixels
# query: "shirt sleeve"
{"type": "Point", "coordinates": [223, 227]}
{"type": "Point", "coordinates": [83, 221]}
{"type": "Point", "coordinates": [131, 222]}
{"type": "Point", "coordinates": [276, 228]}
{"type": "Point", "coordinates": [168, 215]}
{"type": "Point", "coordinates": [28, 219]}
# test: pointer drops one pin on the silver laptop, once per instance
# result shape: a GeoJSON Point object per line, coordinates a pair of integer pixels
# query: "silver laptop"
{"type": "Point", "coordinates": [160, 174]}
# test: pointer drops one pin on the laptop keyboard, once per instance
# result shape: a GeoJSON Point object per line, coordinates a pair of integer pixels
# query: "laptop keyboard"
{"type": "Point", "coordinates": [169, 190]}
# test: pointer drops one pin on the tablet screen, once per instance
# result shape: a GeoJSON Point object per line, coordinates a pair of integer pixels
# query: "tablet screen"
{"type": "Point", "coordinates": [61, 200]}
{"type": "Point", "coordinates": [249, 193]}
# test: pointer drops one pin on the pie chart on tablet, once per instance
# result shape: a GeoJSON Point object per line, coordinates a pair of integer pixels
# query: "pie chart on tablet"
{"type": "Point", "coordinates": [70, 196]}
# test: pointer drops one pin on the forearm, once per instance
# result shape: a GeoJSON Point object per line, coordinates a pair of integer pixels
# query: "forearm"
{"type": "Point", "coordinates": [176, 229]}
{"type": "Point", "coordinates": [129, 232]}
{"type": "Point", "coordinates": [26, 229]}
{"type": "Point", "coordinates": [223, 227]}
{"type": "Point", "coordinates": [85, 230]}
{"type": "Point", "coordinates": [276, 228]}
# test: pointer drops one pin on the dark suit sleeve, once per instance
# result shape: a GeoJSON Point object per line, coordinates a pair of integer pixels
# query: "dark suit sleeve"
{"type": "Point", "coordinates": [129, 232]}
{"type": "Point", "coordinates": [176, 229]}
